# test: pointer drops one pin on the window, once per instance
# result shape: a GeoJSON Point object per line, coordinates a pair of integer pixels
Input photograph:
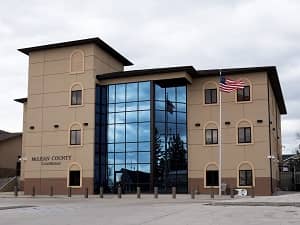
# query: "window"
{"type": "Point", "coordinates": [75, 137]}
{"type": "Point", "coordinates": [211, 136]}
{"type": "Point", "coordinates": [211, 96]}
{"type": "Point", "coordinates": [212, 178]}
{"type": "Point", "coordinates": [76, 97]}
{"type": "Point", "coordinates": [245, 177]}
{"type": "Point", "coordinates": [74, 178]}
{"type": "Point", "coordinates": [243, 94]}
{"type": "Point", "coordinates": [244, 135]}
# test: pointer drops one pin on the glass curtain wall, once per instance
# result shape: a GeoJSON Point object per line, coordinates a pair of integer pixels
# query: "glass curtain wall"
{"type": "Point", "coordinates": [170, 139]}
{"type": "Point", "coordinates": [140, 137]}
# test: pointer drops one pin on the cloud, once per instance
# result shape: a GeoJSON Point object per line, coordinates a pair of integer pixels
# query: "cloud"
{"type": "Point", "coordinates": [206, 34]}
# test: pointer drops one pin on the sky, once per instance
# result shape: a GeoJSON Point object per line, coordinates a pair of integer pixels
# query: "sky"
{"type": "Point", "coordinates": [157, 33]}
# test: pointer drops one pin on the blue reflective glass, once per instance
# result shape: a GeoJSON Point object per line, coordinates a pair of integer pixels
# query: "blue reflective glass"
{"type": "Point", "coordinates": [132, 92]}
{"type": "Point", "coordinates": [160, 116]}
{"type": "Point", "coordinates": [181, 107]}
{"type": "Point", "coordinates": [110, 174]}
{"type": "Point", "coordinates": [181, 130]}
{"type": "Point", "coordinates": [171, 117]}
{"type": "Point", "coordinates": [131, 157]}
{"type": "Point", "coordinates": [111, 108]}
{"type": "Point", "coordinates": [111, 94]}
{"type": "Point", "coordinates": [160, 128]}
{"type": "Point", "coordinates": [120, 117]}
{"type": "Point", "coordinates": [144, 157]}
{"type": "Point", "coordinates": [111, 133]}
{"type": "Point", "coordinates": [110, 148]}
{"type": "Point", "coordinates": [160, 105]}
{"type": "Point", "coordinates": [144, 116]}
{"type": "Point", "coordinates": [110, 158]}
{"type": "Point", "coordinates": [131, 132]}
{"type": "Point", "coordinates": [171, 94]}
{"type": "Point", "coordinates": [181, 117]}
{"type": "Point", "coordinates": [119, 167]}
{"type": "Point", "coordinates": [144, 168]}
{"type": "Point", "coordinates": [120, 133]}
{"type": "Point", "coordinates": [160, 93]}
{"type": "Point", "coordinates": [120, 93]}
{"type": "Point", "coordinates": [131, 147]}
{"type": "Point", "coordinates": [132, 167]}
{"type": "Point", "coordinates": [120, 107]}
{"type": "Point", "coordinates": [111, 118]}
{"type": "Point", "coordinates": [144, 91]}
{"type": "Point", "coordinates": [144, 146]}
{"type": "Point", "coordinates": [145, 105]}
{"type": "Point", "coordinates": [144, 131]}
{"type": "Point", "coordinates": [119, 158]}
{"type": "Point", "coordinates": [131, 117]}
{"type": "Point", "coordinates": [131, 106]}
{"type": "Point", "coordinates": [171, 128]}
{"type": "Point", "coordinates": [119, 147]}
{"type": "Point", "coordinates": [181, 94]}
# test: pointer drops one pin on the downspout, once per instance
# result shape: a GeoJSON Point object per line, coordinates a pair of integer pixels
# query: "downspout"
{"type": "Point", "coordinates": [270, 147]}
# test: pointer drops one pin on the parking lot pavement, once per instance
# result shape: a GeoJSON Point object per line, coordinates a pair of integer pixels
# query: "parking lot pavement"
{"type": "Point", "coordinates": [132, 211]}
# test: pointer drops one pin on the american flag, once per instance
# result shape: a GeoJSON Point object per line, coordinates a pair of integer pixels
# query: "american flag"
{"type": "Point", "coordinates": [227, 85]}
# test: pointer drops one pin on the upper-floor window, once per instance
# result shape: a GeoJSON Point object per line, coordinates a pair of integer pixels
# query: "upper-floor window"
{"type": "Point", "coordinates": [211, 96]}
{"type": "Point", "coordinates": [76, 94]}
{"type": "Point", "coordinates": [75, 134]}
{"type": "Point", "coordinates": [76, 97]}
{"type": "Point", "coordinates": [211, 136]}
{"type": "Point", "coordinates": [243, 94]}
{"type": "Point", "coordinates": [244, 135]}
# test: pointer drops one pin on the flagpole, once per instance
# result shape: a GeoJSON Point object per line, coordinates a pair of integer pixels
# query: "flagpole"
{"type": "Point", "coordinates": [220, 141]}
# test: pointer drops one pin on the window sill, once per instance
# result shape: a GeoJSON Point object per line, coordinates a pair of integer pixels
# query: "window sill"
{"type": "Point", "coordinates": [244, 144]}
{"type": "Point", "coordinates": [213, 104]}
{"type": "Point", "coordinates": [75, 106]}
{"type": "Point", "coordinates": [243, 102]}
{"type": "Point", "coordinates": [242, 187]}
{"type": "Point", "coordinates": [211, 145]}
{"type": "Point", "coordinates": [211, 187]}
{"type": "Point", "coordinates": [75, 146]}
{"type": "Point", "coordinates": [76, 187]}
{"type": "Point", "coordinates": [76, 72]}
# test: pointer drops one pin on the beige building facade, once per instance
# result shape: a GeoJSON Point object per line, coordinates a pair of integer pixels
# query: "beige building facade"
{"type": "Point", "coordinates": [90, 124]}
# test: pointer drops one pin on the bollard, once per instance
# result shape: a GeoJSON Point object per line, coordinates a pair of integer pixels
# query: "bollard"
{"type": "Point", "coordinates": [33, 191]}
{"type": "Point", "coordinates": [212, 194]}
{"type": "Point", "coordinates": [86, 193]}
{"type": "Point", "coordinates": [51, 191]}
{"type": "Point", "coordinates": [193, 194]}
{"type": "Point", "coordinates": [138, 192]}
{"type": "Point", "coordinates": [173, 192]}
{"type": "Point", "coordinates": [101, 192]}
{"type": "Point", "coordinates": [16, 191]}
{"type": "Point", "coordinates": [252, 193]}
{"type": "Point", "coordinates": [231, 193]}
{"type": "Point", "coordinates": [155, 192]}
{"type": "Point", "coordinates": [119, 192]}
{"type": "Point", "coordinates": [69, 192]}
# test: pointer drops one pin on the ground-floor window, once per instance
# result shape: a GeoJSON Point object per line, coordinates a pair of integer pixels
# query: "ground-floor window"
{"type": "Point", "coordinates": [212, 178]}
{"type": "Point", "coordinates": [74, 178]}
{"type": "Point", "coordinates": [245, 177]}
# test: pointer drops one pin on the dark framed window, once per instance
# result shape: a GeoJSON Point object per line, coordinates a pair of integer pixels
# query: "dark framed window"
{"type": "Point", "coordinates": [75, 137]}
{"type": "Point", "coordinates": [244, 135]}
{"type": "Point", "coordinates": [211, 136]}
{"type": "Point", "coordinates": [74, 178]}
{"type": "Point", "coordinates": [243, 94]}
{"type": "Point", "coordinates": [211, 96]}
{"type": "Point", "coordinates": [76, 97]}
{"type": "Point", "coordinates": [245, 178]}
{"type": "Point", "coordinates": [212, 178]}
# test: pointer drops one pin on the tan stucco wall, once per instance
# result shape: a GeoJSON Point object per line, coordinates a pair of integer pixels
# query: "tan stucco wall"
{"type": "Point", "coordinates": [232, 153]}
{"type": "Point", "coordinates": [49, 84]}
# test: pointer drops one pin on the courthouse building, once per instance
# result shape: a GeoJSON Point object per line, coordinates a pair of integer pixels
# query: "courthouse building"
{"type": "Point", "coordinates": [89, 123]}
